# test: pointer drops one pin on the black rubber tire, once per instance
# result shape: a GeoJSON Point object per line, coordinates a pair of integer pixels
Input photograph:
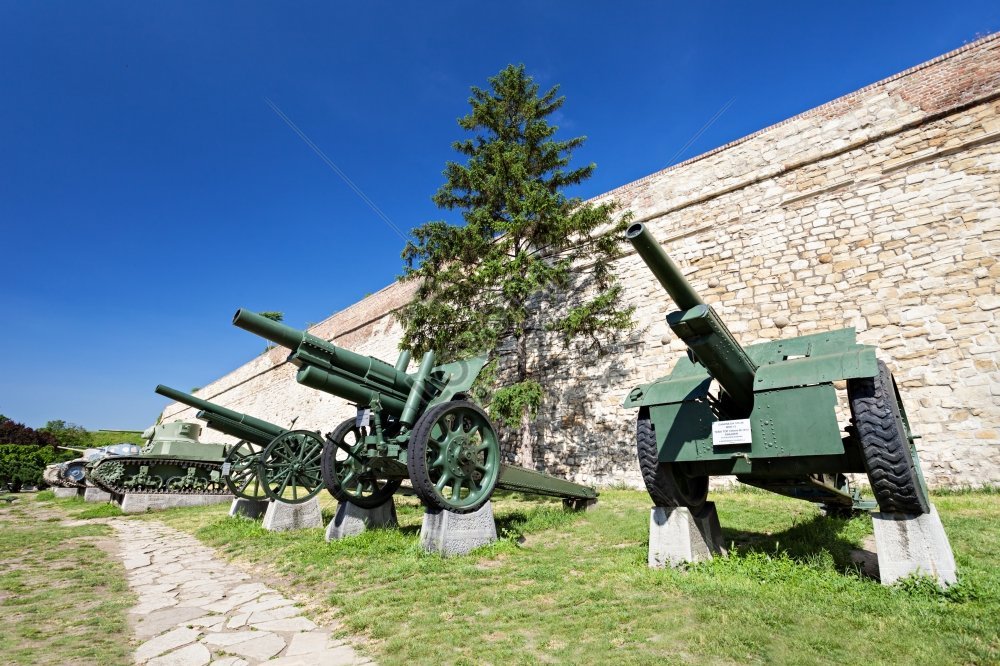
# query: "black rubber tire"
{"type": "Point", "coordinates": [376, 499]}
{"type": "Point", "coordinates": [893, 469]}
{"type": "Point", "coordinates": [416, 459]}
{"type": "Point", "coordinates": [666, 483]}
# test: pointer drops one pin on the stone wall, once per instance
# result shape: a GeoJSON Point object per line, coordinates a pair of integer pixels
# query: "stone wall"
{"type": "Point", "coordinates": [879, 210]}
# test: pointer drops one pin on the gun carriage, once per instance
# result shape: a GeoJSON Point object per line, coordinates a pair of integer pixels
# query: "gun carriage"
{"type": "Point", "coordinates": [269, 461]}
{"type": "Point", "coordinates": [421, 426]}
{"type": "Point", "coordinates": [767, 413]}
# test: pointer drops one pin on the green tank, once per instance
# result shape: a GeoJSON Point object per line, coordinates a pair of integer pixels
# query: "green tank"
{"type": "Point", "coordinates": [73, 473]}
{"type": "Point", "coordinates": [173, 461]}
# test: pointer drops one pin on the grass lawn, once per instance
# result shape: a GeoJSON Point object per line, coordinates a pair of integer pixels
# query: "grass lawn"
{"type": "Point", "coordinates": [62, 598]}
{"type": "Point", "coordinates": [576, 588]}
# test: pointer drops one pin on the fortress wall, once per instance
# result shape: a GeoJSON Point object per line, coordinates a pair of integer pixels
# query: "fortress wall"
{"type": "Point", "coordinates": [879, 210]}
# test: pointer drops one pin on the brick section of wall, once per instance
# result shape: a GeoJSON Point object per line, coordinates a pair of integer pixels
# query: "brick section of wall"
{"type": "Point", "coordinates": [879, 210]}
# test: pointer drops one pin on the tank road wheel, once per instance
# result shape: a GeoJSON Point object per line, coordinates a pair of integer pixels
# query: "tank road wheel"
{"type": "Point", "coordinates": [886, 444]}
{"type": "Point", "coordinates": [348, 479]}
{"type": "Point", "coordinates": [242, 479]}
{"type": "Point", "coordinates": [288, 468]}
{"type": "Point", "coordinates": [667, 483]}
{"type": "Point", "coordinates": [454, 457]}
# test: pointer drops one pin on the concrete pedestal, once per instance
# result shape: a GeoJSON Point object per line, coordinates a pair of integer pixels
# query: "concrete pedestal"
{"type": "Point", "coordinates": [66, 493]}
{"type": "Point", "coordinates": [448, 533]}
{"type": "Point", "coordinates": [143, 502]}
{"type": "Point", "coordinates": [352, 520]}
{"type": "Point", "coordinates": [908, 544]}
{"type": "Point", "coordinates": [579, 504]}
{"type": "Point", "coordinates": [281, 517]}
{"type": "Point", "coordinates": [677, 536]}
{"type": "Point", "coordinates": [92, 494]}
{"type": "Point", "coordinates": [248, 508]}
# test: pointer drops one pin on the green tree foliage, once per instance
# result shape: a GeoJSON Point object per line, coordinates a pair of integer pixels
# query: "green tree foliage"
{"type": "Point", "coordinates": [523, 240]}
{"type": "Point", "coordinates": [273, 315]}
{"type": "Point", "coordinates": [68, 434]}
{"type": "Point", "coordinates": [24, 451]}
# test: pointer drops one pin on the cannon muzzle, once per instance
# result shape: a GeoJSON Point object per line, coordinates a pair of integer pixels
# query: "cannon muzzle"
{"type": "Point", "coordinates": [663, 267]}
{"type": "Point", "coordinates": [276, 332]}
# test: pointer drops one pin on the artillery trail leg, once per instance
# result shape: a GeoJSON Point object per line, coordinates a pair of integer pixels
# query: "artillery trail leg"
{"type": "Point", "coordinates": [281, 516]}
{"type": "Point", "coordinates": [352, 519]}
{"type": "Point", "coordinates": [677, 536]}
{"type": "Point", "coordinates": [448, 533]}
{"type": "Point", "coordinates": [913, 544]}
{"type": "Point", "coordinates": [248, 508]}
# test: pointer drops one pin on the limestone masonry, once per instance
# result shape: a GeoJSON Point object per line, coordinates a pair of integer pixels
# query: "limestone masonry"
{"type": "Point", "coordinates": [879, 210]}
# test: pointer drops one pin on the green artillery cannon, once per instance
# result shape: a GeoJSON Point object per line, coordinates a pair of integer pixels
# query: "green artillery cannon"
{"type": "Point", "coordinates": [173, 461]}
{"type": "Point", "coordinates": [767, 413]}
{"type": "Point", "coordinates": [257, 467]}
{"type": "Point", "coordinates": [420, 427]}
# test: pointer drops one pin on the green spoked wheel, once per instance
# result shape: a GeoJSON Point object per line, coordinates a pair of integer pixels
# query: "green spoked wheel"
{"type": "Point", "coordinates": [288, 468]}
{"type": "Point", "coordinates": [240, 471]}
{"type": "Point", "coordinates": [454, 457]}
{"type": "Point", "coordinates": [346, 475]}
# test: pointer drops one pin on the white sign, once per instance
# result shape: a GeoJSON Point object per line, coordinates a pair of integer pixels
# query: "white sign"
{"type": "Point", "coordinates": [363, 418]}
{"type": "Point", "coordinates": [728, 433]}
{"type": "Point", "coordinates": [225, 469]}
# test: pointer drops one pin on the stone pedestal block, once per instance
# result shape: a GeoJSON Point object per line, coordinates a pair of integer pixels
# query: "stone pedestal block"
{"type": "Point", "coordinates": [65, 493]}
{"type": "Point", "coordinates": [142, 502]}
{"type": "Point", "coordinates": [908, 544]}
{"type": "Point", "coordinates": [92, 494]}
{"type": "Point", "coordinates": [448, 533]}
{"type": "Point", "coordinates": [248, 508]}
{"type": "Point", "coordinates": [677, 536]}
{"type": "Point", "coordinates": [281, 517]}
{"type": "Point", "coordinates": [579, 504]}
{"type": "Point", "coordinates": [352, 520]}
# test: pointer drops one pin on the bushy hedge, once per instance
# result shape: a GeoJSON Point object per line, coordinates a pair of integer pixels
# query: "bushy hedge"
{"type": "Point", "coordinates": [23, 464]}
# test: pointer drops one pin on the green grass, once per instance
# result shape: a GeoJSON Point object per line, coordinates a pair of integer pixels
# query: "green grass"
{"type": "Point", "coordinates": [62, 598]}
{"type": "Point", "coordinates": [574, 588]}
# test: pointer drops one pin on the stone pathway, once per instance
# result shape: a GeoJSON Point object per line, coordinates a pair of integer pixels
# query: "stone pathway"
{"type": "Point", "coordinates": [195, 609]}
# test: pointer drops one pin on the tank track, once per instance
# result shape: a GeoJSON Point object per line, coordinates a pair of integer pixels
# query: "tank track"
{"type": "Point", "coordinates": [117, 489]}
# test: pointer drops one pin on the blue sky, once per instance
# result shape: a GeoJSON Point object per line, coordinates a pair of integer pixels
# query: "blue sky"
{"type": "Point", "coordinates": [147, 189]}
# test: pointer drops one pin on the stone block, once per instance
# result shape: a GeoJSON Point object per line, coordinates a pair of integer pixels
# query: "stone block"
{"type": "Point", "coordinates": [579, 504]}
{"type": "Point", "coordinates": [352, 520]}
{"type": "Point", "coordinates": [248, 508]}
{"type": "Point", "coordinates": [281, 516]}
{"type": "Point", "coordinates": [143, 502]}
{"type": "Point", "coordinates": [66, 493]}
{"type": "Point", "coordinates": [677, 536]}
{"type": "Point", "coordinates": [448, 533]}
{"type": "Point", "coordinates": [92, 494]}
{"type": "Point", "coordinates": [909, 544]}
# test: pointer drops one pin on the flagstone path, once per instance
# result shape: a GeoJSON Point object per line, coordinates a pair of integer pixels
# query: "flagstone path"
{"type": "Point", "coordinates": [195, 610]}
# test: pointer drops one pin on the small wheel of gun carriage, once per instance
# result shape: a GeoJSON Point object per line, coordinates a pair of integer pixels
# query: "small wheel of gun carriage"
{"type": "Point", "coordinates": [347, 478]}
{"type": "Point", "coordinates": [887, 444]}
{"type": "Point", "coordinates": [454, 457]}
{"type": "Point", "coordinates": [241, 466]}
{"type": "Point", "coordinates": [289, 467]}
{"type": "Point", "coordinates": [668, 484]}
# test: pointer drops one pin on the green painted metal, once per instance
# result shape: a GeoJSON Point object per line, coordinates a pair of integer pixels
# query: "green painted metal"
{"type": "Point", "coordinates": [781, 391]}
{"type": "Point", "coordinates": [406, 426]}
{"type": "Point", "coordinates": [253, 469]}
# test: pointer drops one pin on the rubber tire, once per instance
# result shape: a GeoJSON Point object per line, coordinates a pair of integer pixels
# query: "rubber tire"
{"type": "Point", "coordinates": [893, 470]}
{"type": "Point", "coordinates": [663, 479]}
{"type": "Point", "coordinates": [416, 459]}
{"type": "Point", "coordinates": [333, 485]}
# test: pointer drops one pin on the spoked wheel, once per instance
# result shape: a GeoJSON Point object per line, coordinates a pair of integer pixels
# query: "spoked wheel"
{"type": "Point", "coordinates": [887, 444]}
{"type": "Point", "coordinates": [454, 457]}
{"type": "Point", "coordinates": [668, 484]}
{"type": "Point", "coordinates": [288, 468]}
{"type": "Point", "coordinates": [240, 471]}
{"type": "Point", "coordinates": [348, 478]}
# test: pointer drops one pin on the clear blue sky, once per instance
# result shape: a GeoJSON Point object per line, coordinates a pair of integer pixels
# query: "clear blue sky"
{"type": "Point", "coordinates": [147, 190]}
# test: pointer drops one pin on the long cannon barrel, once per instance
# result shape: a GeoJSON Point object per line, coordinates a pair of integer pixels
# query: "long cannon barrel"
{"type": "Point", "coordinates": [327, 367]}
{"type": "Point", "coordinates": [235, 424]}
{"type": "Point", "coordinates": [698, 325]}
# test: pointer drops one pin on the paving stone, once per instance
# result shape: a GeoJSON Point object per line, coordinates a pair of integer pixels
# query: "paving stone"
{"type": "Point", "coordinates": [165, 642]}
{"type": "Point", "coordinates": [263, 647]}
{"type": "Point", "coordinates": [159, 621]}
{"type": "Point", "coordinates": [191, 655]}
{"type": "Point", "coordinates": [148, 605]}
{"type": "Point", "coordinates": [288, 624]}
{"type": "Point", "coordinates": [205, 620]}
{"type": "Point", "coordinates": [274, 614]}
{"type": "Point", "coordinates": [313, 641]}
{"type": "Point", "coordinates": [237, 621]}
{"type": "Point", "coordinates": [341, 656]}
{"type": "Point", "coordinates": [231, 637]}
{"type": "Point", "coordinates": [261, 605]}
{"type": "Point", "coordinates": [230, 661]}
